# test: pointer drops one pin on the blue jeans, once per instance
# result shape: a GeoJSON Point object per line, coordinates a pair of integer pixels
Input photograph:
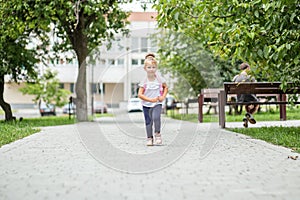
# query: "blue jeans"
{"type": "Point", "coordinates": [152, 116]}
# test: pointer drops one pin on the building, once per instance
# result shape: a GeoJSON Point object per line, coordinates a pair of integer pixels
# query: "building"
{"type": "Point", "coordinates": [114, 76]}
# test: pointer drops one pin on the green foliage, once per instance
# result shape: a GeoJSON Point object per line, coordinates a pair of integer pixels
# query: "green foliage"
{"type": "Point", "coordinates": [80, 26]}
{"type": "Point", "coordinates": [91, 22]}
{"type": "Point", "coordinates": [46, 88]}
{"type": "Point", "coordinates": [263, 33]}
{"type": "Point", "coordinates": [16, 59]}
{"type": "Point", "coordinates": [191, 64]}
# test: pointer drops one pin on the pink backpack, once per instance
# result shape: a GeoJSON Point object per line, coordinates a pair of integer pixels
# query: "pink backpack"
{"type": "Point", "coordinates": [161, 90]}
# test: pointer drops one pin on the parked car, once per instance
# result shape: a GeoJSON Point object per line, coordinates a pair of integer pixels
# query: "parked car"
{"type": "Point", "coordinates": [69, 108]}
{"type": "Point", "coordinates": [46, 109]}
{"type": "Point", "coordinates": [134, 104]}
{"type": "Point", "coordinates": [170, 102]}
{"type": "Point", "coordinates": [100, 107]}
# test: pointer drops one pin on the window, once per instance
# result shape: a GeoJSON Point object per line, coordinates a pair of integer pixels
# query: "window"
{"type": "Point", "coordinates": [134, 44]}
{"type": "Point", "coordinates": [120, 62]}
{"type": "Point", "coordinates": [134, 61]}
{"type": "Point", "coordinates": [72, 87]}
{"type": "Point", "coordinates": [69, 60]}
{"type": "Point", "coordinates": [61, 85]}
{"type": "Point", "coordinates": [144, 44]}
{"type": "Point", "coordinates": [94, 88]}
{"type": "Point", "coordinates": [99, 87]}
{"type": "Point", "coordinates": [111, 62]}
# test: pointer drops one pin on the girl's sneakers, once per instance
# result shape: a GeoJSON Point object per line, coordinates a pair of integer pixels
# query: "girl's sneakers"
{"type": "Point", "coordinates": [158, 139]}
{"type": "Point", "coordinates": [150, 142]}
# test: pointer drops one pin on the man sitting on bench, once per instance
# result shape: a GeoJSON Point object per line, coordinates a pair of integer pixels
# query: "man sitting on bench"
{"type": "Point", "coordinates": [244, 76]}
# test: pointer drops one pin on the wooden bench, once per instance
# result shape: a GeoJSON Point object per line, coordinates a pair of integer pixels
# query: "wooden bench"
{"type": "Point", "coordinates": [209, 97]}
{"type": "Point", "coordinates": [265, 88]}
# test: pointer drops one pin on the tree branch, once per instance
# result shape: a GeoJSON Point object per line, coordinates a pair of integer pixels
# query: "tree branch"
{"type": "Point", "coordinates": [222, 17]}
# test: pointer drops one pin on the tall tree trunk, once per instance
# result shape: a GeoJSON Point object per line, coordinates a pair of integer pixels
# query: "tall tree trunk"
{"type": "Point", "coordinates": [81, 93]}
{"type": "Point", "coordinates": [5, 106]}
{"type": "Point", "coordinates": [81, 49]}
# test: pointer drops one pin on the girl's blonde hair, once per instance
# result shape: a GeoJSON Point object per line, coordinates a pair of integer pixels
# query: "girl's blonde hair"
{"type": "Point", "coordinates": [150, 60]}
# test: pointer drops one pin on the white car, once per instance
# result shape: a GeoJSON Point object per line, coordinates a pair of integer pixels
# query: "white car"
{"type": "Point", "coordinates": [46, 109]}
{"type": "Point", "coordinates": [69, 108]}
{"type": "Point", "coordinates": [134, 104]}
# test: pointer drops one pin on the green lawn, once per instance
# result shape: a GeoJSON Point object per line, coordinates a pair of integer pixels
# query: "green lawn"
{"type": "Point", "coordinates": [11, 131]}
{"type": "Point", "coordinates": [273, 115]}
{"type": "Point", "coordinates": [285, 136]}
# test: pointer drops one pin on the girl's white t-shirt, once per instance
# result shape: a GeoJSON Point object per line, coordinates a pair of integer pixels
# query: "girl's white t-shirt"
{"type": "Point", "coordinates": [152, 90]}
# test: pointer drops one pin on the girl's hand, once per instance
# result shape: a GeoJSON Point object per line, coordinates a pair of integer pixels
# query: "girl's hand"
{"type": "Point", "coordinates": [154, 100]}
{"type": "Point", "coordinates": [161, 98]}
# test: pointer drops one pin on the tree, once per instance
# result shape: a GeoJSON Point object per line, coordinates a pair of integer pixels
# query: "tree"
{"type": "Point", "coordinates": [16, 60]}
{"type": "Point", "coordinates": [46, 88]}
{"type": "Point", "coordinates": [263, 33]}
{"type": "Point", "coordinates": [80, 25]}
{"type": "Point", "coordinates": [17, 68]}
{"type": "Point", "coordinates": [190, 62]}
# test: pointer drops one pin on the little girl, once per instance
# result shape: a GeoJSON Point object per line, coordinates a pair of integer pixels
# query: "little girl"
{"type": "Point", "coordinates": [152, 91]}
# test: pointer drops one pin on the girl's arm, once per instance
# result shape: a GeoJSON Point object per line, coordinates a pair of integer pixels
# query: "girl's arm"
{"type": "Point", "coordinates": [145, 98]}
{"type": "Point", "coordinates": [165, 92]}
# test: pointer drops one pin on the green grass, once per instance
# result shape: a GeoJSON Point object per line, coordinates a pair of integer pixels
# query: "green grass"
{"type": "Point", "coordinates": [12, 131]}
{"type": "Point", "coordinates": [104, 115]}
{"type": "Point", "coordinates": [284, 136]}
{"type": "Point", "coordinates": [273, 115]}
{"type": "Point", "coordinates": [48, 121]}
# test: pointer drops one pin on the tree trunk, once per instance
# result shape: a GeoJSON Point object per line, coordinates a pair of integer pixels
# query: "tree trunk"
{"type": "Point", "coordinates": [5, 106]}
{"type": "Point", "coordinates": [81, 94]}
{"type": "Point", "coordinates": [81, 49]}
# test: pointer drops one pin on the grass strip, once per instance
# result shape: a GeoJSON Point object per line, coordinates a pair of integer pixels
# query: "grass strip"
{"type": "Point", "coordinates": [284, 136]}
{"type": "Point", "coordinates": [15, 130]}
{"type": "Point", "coordinates": [273, 115]}
{"type": "Point", "coordinates": [12, 131]}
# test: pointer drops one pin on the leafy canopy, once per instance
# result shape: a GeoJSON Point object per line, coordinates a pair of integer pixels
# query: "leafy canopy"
{"type": "Point", "coordinates": [263, 33]}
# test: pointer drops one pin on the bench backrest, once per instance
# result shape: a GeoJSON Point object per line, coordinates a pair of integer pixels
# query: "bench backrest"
{"type": "Point", "coordinates": [258, 88]}
{"type": "Point", "coordinates": [210, 92]}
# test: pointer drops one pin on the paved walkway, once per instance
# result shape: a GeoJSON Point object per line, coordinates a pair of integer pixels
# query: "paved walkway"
{"type": "Point", "coordinates": [108, 159]}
